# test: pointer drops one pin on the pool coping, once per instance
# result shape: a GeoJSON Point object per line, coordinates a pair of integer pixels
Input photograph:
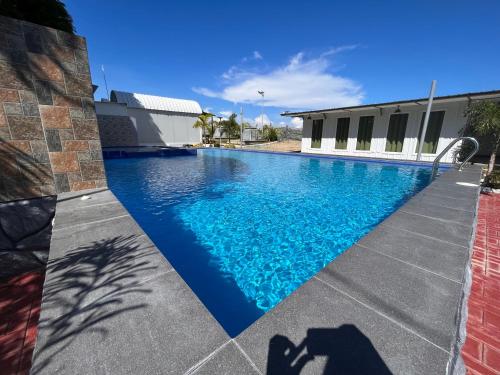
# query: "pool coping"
{"type": "Point", "coordinates": [66, 341]}
{"type": "Point", "coordinates": [167, 152]}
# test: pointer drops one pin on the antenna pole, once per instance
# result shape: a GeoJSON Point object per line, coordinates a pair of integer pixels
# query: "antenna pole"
{"type": "Point", "coordinates": [105, 82]}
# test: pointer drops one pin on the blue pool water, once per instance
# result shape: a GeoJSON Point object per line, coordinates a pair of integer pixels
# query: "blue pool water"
{"type": "Point", "coordinates": [246, 229]}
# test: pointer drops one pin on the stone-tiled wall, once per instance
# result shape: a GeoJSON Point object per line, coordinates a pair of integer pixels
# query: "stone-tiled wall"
{"type": "Point", "coordinates": [49, 139]}
{"type": "Point", "coordinates": [117, 131]}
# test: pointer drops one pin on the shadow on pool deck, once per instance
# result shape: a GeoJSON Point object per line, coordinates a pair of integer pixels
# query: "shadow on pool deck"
{"type": "Point", "coordinates": [347, 349]}
{"type": "Point", "coordinates": [107, 268]}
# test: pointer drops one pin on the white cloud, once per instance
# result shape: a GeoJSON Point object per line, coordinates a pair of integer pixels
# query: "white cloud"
{"type": "Point", "coordinates": [301, 84]}
{"type": "Point", "coordinates": [296, 122]}
{"type": "Point", "coordinates": [262, 118]}
{"type": "Point", "coordinates": [226, 113]}
{"type": "Point", "coordinates": [207, 109]}
{"type": "Point", "coordinates": [257, 55]}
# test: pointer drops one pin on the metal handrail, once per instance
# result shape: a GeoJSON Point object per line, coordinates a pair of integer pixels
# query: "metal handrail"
{"type": "Point", "coordinates": [435, 165]}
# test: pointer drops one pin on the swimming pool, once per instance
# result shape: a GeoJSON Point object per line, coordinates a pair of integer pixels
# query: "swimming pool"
{"type": "Point", "coordinates": [246, 229]}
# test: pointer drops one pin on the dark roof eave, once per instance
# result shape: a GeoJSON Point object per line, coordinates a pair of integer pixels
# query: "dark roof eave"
{"type": "Point", "coordinates": [399, 102]}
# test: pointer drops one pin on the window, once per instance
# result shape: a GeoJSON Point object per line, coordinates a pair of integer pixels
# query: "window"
{"type": "Point", "coordinates": [396, 132]}
{"type": "Point", "coordinates": [365, 130]}
{"type": "Point", "coordinates": [317, 132]}
{"type": "Point", "coordinates": [342, 133]}
{"type": "Point", "coordinates": [433, 132]}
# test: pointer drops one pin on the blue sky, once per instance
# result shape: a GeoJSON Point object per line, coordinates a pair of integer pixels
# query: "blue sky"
{"type": "Point", "coordinates": [303, 54]}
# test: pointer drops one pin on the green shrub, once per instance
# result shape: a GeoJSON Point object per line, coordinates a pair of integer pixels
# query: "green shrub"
{"type": "Point", "coordinates": [493, 180]}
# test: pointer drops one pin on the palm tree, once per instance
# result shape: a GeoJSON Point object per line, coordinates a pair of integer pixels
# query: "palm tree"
{"type": "Point", "coordinates": [484, 120]}
{"type": "Point", "coordinates": [230, 126]}
{"type": "Point", "coordinates": [203, 122]}
{"type": "Point", "coordinates": [51, 13]}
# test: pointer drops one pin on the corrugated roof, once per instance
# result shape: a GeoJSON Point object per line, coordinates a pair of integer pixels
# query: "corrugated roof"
{"type": "Point", "coordinates": [421, 101]}
{"type": "Point", "coordinates": [159, 103]}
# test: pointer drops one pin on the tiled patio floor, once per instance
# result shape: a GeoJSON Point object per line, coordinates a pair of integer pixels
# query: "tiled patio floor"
{"type": "Point", "coordinates": [481, 352]}
{"type": "Point", "coordinates": [20, 299]}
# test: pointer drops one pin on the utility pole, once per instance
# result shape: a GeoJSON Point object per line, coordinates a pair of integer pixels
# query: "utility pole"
{"type": "Point", "coordinates": [426, 119]}
{"type": "Point", "coordinates": [220, 131]}
{"type": "Point", "coordinates": [212, 136]}
{"type": "Point", "coordinates": [241, 131]}
{"type": "Point", "coordinates": [261, 92]}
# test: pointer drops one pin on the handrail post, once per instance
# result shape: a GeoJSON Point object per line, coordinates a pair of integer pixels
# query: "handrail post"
{"type": "Point", "coordinates": [435, 164]}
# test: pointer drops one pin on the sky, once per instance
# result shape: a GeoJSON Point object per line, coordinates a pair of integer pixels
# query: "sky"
{"type": "Point", "coordinates": [302, 54]}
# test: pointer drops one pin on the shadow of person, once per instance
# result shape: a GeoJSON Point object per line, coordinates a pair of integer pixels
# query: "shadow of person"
{"type": "Point", "coordinates": [347, 351]}
{"type": "Point", "coordinates": [283, 356]}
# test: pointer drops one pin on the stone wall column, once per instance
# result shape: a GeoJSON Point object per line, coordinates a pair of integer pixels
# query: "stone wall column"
{"type": "Point", "coordinates": [49, 138]}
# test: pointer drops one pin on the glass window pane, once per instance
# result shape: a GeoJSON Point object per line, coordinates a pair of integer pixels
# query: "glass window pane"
{"type": "Point", "coordinates": [433, 132]}
{"type": "Point", "coordinates": [317, 133]}
{"type": "Point", "coordinates": [396, 132]}
{"type": "Point", "coordinates": [342, 133]}
{"type": "Point", "coordinates": [365, 131]}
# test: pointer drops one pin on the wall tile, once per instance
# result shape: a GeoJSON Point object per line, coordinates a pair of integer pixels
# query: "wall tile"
{"type": "Point", "coordinates": [76, 145]}
{"type": "Point", "coordinates": [43, 92]}
{"type": "Point", "coordinates": [61, 182]}
{"type": "Point", "coordinates": [31, 109]}
{"type": "Point", "coordinates": [13, 146]}
{"type": "Point", "coordinates": [53, 140]}
{"type": "Point", "coordinates": [85, 129]}
{"type": "Point", "coordinates": [55, 117]}
{"type": "Point", "coordinates": [66, 134]}
{"type": "Point", "coordinates": [67, 101]}
{"type": "Point", "coordinates": [23, 127]}
{"type": "Point", "coordinates": [27, 96]}
{"type": "Point", "coordinates": [7, 95]}
{"type": "Point", "coordinates": [93, 170]}
{"type": "Point", "coordinates": [45, 68]}
{"type": "Point", "coordinates": [64, 162]}
{"type": "Point", "coordinates": [79, 86]}
{"type": "Point", "coordinates": [12, 109]}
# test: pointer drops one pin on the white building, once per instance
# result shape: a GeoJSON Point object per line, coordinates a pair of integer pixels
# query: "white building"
{"type": "Point", "coordinates": [387, 130]}
{"type": "Point", "coordinates": [131, 119]}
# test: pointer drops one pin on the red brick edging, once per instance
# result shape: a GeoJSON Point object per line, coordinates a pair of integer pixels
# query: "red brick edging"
{"type": "Point", "coordinates": [481, 351]}
{"type": "Point", "coordinates": [20, 300]}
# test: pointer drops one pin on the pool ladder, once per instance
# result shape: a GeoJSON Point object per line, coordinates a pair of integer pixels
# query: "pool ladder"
{"type": "Point", "coordinates": [435, 165]}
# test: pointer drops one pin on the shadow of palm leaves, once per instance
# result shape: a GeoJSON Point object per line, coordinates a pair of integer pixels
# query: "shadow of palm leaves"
{"type": "Point", "coordinates": [89, 286]}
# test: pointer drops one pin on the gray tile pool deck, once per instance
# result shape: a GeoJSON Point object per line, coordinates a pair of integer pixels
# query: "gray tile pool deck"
{"type": "Point", "coordinates": [113, 304]}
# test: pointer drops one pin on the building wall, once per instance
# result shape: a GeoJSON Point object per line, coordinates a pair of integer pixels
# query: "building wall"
{"type": "Point", "coordinates": [49, 141]}
{"type": "Point", "coordinates": [158, 128]}
{"type": "Point", "coordinates": [454, 120]}
{"type": "Point", "coordinates": [115, 126]}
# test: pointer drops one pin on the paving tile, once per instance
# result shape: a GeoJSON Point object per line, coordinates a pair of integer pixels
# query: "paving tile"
{"type": "Point", "coordinates": [444, 231]}
{"type": "Point", "coordinates": [228, 361]}
{"type": "Point", "coordinates": [157, 328]}
{"type": "Point", "coordinates": [445, 201]}
{"type": "Point", "coordinates": [79, 274]}
{"type": "Point", "coordinates": [73, 200]}
{"type": "Point", "coordinates": [343, 336]}
{"type": "Point", "coordinates": [442, 258]}
{"type": "Point", "coordinates": [421, 301]}
{"type": "Point", "coordinates": [449, 214]}
{"type": "Point", "coordinates": [88, 214]}
{"type": "Point", "coordinates": [453, 190]}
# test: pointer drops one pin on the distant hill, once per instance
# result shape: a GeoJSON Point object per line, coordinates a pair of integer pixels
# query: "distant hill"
{"type": "Point", "coordinates": [289, 133]}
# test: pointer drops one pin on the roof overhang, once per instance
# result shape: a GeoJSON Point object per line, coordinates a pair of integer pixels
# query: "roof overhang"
{"type": "Point", "coordinates": [401, 103]}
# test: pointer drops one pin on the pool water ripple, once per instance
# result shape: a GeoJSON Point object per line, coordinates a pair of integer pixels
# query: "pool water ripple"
{"type": "Point", "coordinates": [247, 229]}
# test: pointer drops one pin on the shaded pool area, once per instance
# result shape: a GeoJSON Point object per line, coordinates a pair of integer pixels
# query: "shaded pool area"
{"type": "Point", "coordinates": [245, 230]}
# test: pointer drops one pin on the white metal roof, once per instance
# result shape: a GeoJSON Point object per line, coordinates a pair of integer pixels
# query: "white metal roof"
{"type": "Point", "coordinates": [159, 103]}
